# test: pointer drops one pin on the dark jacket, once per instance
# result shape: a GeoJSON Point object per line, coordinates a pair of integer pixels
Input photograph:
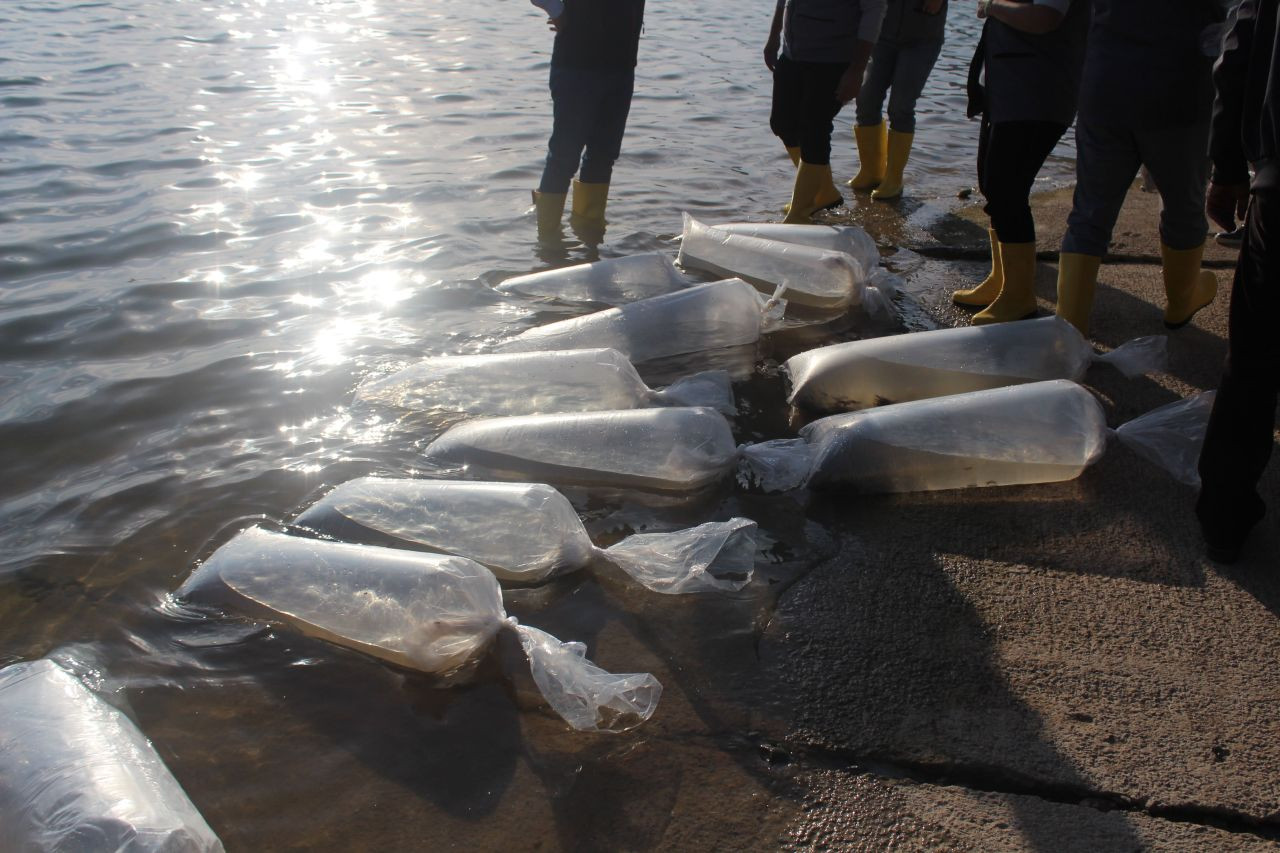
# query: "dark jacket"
{"type": "Point", "coordinates": [598, 35]}
{"type": "Point", "coordinates": [905, 21]}
{"type": "Point", "coordinates": [828, 30]}
{"type": "Point", "coordinates": [1246, 113]}
{"type": "Point", "coordinates": [1034, 77]}
{"type": "Point", "coordinates": [1147, 64]}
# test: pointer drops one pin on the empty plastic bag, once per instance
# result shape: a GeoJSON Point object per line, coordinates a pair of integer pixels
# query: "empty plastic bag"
{"type": "Point", "coordinates": [820, 278]}
{"type": "Point", "coordinates": [1172, 436]}
{"type": "Point", "coordinates": [77, 775]}
{"type": "Point", "coordinates": [838, 238]}
{"type": "Point", "coordinates": [611, 282]}
{"type": "Point", "coordinates": [710, 316]}
{"type": "Point", "coordinates": [430, 612]}
{"type": "Point", "coordinates": [501, 384]}
{"type": "Point", "coordinates": [1034, 433]}
{"type": "Point", "coordinates": [529, 531]}
{"type": "Point", "coordinates": [920, 365]}
{"type": "Point", "coordinates": [676, 449]}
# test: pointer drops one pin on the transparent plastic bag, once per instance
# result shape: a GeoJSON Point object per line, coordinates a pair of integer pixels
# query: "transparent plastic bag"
{"type": "Point", "coordinates": [675, 449]}
{"type": "Point", "coordinates": [430, 612]}
{"type": "Point", "coordinates": [921, 365]}
{"type": "Point", "coordinates": [819, 278]}
{"type": "Point", "coordinates": [501, 384]}
{"type": "Point", "coordinates": [709, 316]}
{"type": "Point", "coordinates": [1171, 436]}
{"type": "Point", "coordinates": [849, 239]}
{"type": "Point", "coordinates": [77, 775]}
{"type": "Point", "coordinates": [529, 532]}
{"type": "Point", "coordinates": [1038, 432]}
{"type": "Point", "coordinates": [614, 281]}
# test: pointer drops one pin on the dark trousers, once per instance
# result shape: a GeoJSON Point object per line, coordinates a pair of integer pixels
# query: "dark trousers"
{"type": "Point", "coordinates": [1010, 154]}
{"type": "Point", "coordinates": [804, 105]}
{"type": "Point", "coordinates": [589, 116]}
{"type": "Point", "coordinates": [1238, 442]}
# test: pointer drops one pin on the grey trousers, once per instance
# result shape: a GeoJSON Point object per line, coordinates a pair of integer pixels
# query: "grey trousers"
{"type": "Point", "coordinates": [901, 70]}
{"type": "Point", "coordinates": [1107, 160]}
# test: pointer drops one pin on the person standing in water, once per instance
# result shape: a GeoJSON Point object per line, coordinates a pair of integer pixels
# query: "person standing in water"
{"type": "Point", "coordinates": [910, 41]}
{"type": "Point", "coordinates": [1032, 53]}
{"type": "Point", "coordinates": [818, 51]}
{"type": "Point", "coordinates": [593, 66]}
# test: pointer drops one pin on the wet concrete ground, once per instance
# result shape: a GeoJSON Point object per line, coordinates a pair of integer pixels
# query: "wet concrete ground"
{"type": "Point", "coordinates": [1053, 667]}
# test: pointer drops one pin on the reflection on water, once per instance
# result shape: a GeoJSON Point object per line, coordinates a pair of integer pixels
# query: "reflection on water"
{"type": "Point", "coordinates": [215, 220]}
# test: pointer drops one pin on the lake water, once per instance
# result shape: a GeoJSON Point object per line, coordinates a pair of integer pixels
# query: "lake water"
{"type": "Point", "coordinates": [216, 219]}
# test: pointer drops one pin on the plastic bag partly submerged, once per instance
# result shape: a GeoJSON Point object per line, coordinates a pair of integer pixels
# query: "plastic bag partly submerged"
{"type": "Point", "coordinates": [920, 365]}
{"type": "Point", "coordinates": [709, 316]}
{"type": "Point", "coordinates": [849, 239]}
{"type": "Point", "coordinates": [529, 532]}
{"type": "Point", "coordinates": [430, 612]}
{"type": "Point", "coordinates": [1038, 432]}
{"type": "Point", "coordinates": [613, 281]}
{"type": "Point", "coordinates": [819, 278]}
{"type": "Point", "coordinates": [501, 384]}
{"type": "Point", "coordinates": [674, 449]}
{"type": "Point", "coordinates": [77, 775]}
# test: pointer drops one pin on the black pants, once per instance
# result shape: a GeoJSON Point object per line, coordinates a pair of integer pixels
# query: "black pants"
{"type": "Point", "coordinates": [1010, 154]}
{"type": "Point", "coordinates": [804, 104]}
{"type": "Point", "coordinates": [1238, 442]}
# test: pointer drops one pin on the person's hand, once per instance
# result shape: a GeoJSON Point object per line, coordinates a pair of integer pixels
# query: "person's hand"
{"type": "Point", "coordinates": [1227, 202]}
{"type": "Point", "coordinates": [553, 24]}
{"type": "Point", "coordinates": [932, 7]}
{"type": "Point", "coordinates": [984, 6]}
{"type": "Point", "coordinates": [771, 53]}
{"type": "Point", "coordinates": [850, 86]}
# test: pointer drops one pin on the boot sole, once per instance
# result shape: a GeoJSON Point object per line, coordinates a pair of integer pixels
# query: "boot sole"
{"type": "Point", "coordinates": [1190, 317]}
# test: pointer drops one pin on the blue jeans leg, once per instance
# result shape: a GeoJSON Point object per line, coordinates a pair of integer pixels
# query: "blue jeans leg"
{"type": "Point", "coordinates": [869, 106]}
{"type": "Point", "coordinates": [589, 113]}
{"type": "Point", "coordinates": [915, 64]}
{"type": "Point", "coordinates": [1107, 161]}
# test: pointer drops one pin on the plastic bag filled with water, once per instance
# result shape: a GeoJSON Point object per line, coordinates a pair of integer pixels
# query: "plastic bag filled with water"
{"type": "Point", "coordinates": [819, 278]}
{"type": "Point", "coordinates": [528, 532]}
{"type": "Point", "coordinates": [613, 281]}
{"type": "Point", "coordinates": [920, 365]}
{"type": "Point", "coordinates": [501, 384]}
{"type": "Point", "coordinates": [1039, 432]}
{"type": "Point", "coordinates": [77, 775]}
{"type": "Point", "coordinates": [849, 239]}
{"type": "Point", "coordinates": [674, 450]}
{"type": "Point", "coordinates": [430, 612]}
{"type": "Point", "coordinates": [709, 316]}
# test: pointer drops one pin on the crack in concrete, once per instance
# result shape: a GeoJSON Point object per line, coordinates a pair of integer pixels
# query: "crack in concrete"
{"type": "Point", "coordinates": [998, 780]}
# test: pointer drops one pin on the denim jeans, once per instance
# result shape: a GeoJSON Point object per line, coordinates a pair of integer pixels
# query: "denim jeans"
{"type": "Point", "coordinates": [901, 70]}
{"type": "Point", "coordinates": [589, 116]}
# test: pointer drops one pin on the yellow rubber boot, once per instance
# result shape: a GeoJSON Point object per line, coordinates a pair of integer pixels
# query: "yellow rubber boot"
{"type": "Point", "coordinates": [1077, 281]}
{"type": "Point", "coordinates": [989, 288]}
{"type": "Point", "coordinates": [871, 155]}
{"type": "Point", "coordinates": [1017, 299]}
{"type": "Point", "coordinates": [810, 180]}
{"type": "Point", "coordinates": [827, 196]}
{"type": "Point", "coordinates": [1187, 287]}
{"type": "Point", "coordinates": [899, 149]}
{"type": "Point", "coordinates": [586, 218]}
{"type": "Point", "coordinates": [549, 208]}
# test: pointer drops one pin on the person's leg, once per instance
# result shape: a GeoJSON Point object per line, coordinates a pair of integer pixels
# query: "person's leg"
{"type": "Point", "coordinates": [1015, 153]}
{"type": "Point", "coordinates": [571, 121]}
{"type": "Point", "coordinates": [1178, 163]}
{"type": "Point", "coordinates": [814, 189]}
{"type": "Point", "coordinates": [1238, 442]}
{"type": "Point", "coordinates": [915, 61]}
{"type": "Point", "coordinates": [868, 126]}
{"type": "Point", "coordinates": [784, 109]}
{"type": "Point", "coordinates": [989, 288]}
{"type": "Point", "coordinates": [1106, 161]}
{"type": "Point", "coordinates": [604, 137]}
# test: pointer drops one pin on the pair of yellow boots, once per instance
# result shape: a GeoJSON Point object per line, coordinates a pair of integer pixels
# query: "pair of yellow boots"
{"type": "Point", "coordinates": [882, 157]}
{"type": "Point", "coordinates": [587, 213]}
{"type": "Point", "coordinates": [1008, 293]}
